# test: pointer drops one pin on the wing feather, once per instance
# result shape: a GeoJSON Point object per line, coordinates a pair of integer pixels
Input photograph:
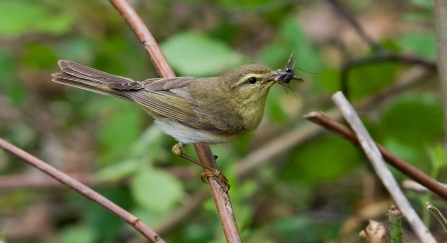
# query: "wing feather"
{"type": "Point", "coordinates": [167, 97]}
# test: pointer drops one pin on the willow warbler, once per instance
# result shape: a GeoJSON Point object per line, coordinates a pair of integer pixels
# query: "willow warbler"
{"type": "Point", "coordinates": [192, 110]}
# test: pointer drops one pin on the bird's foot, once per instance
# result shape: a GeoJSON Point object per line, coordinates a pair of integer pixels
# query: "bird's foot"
{"type": "Point", "coordinates": [179, 149]}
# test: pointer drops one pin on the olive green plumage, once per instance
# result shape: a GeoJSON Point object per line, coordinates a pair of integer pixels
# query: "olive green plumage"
{"type": "Point", "coordinates": [209, 110]}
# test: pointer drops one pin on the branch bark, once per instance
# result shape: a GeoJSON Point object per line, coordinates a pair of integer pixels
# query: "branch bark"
{"type": "Point", "coordinates": [389, 157]}
{"type": "Point", "coordinates": [220, 195]}
{"type": "Point", "coordinates": [373, 153]}
{"type": "Point", "coordinates": [83, 190]}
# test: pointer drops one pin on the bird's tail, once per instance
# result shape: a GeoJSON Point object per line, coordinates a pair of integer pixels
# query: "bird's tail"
{"type": "Point", "coordinates": [90, 79]}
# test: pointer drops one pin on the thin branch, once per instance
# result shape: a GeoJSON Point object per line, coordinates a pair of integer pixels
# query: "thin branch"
{"type": "Point", "coordinates": [144, 36]}
{"type": "Point", "coordinates": [380, 57]}
{"type": "Point", "coordinates": [383, 55]}
{"type": "Point", "coordinates": [220, 195]}
{"type": "Point", "coordinates": [353, 22]}
{"type": "Point", "coordinates": [43, 182]}
{"type": "Point", "coordinates": [373, 153]}
{"type": "Point", "coordinates": [390, 158]}
{"type": "Point", "coordinates": [435, 211]}
{"type": "Point", "coordinates": [83, 190]}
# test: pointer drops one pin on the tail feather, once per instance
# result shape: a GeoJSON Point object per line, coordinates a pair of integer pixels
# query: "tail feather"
{"type": "Point", "coordinates": [89, 73]}
{"type": "Point", "coordinates": [90, 79]}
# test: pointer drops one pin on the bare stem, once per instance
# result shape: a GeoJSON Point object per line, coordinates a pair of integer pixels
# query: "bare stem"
{"type": "Point", "coordinates": [355, 24]}
{"type": "Point", "coordinates": [374, 155]}
{"type": "Point", "coordinates": [442, 220]}
{"type": "Point", "coordinates": [395, 218]}
{"type": "Point", "coordinates": [398, 163]}
{"type": "Point", "coordinates": [221, 197]}
{"type": "Point", "coordinates": [83, 190]}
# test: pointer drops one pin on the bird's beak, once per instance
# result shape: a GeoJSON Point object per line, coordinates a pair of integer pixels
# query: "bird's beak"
{"type": "Point", "coordinates": [275, 76]}
{"type": "Point", "coordinates": [281, 77]}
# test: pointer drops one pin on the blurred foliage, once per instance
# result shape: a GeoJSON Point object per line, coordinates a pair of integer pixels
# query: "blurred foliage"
{"type": "Point", "coordinates": [307, 194]}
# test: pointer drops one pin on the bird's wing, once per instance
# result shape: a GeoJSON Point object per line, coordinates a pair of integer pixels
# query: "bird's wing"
{"type": "Point", "coordinates": [167, 97]}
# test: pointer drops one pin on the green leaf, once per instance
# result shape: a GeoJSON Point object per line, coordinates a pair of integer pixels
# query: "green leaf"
{"type": "Point", "coordinates": [330, 79]}
{"type": "Point", "coordinates": [291, 38]}
{"type": "Point", "coordinates": [427, 4]}
{"type": "Point", "coordinates": [306, 55]}
{"type": "Point", "coordinates": [118, 170]}
{"type": "Point", "coordinates": [39, 56]}
{"type": "Point", "coordinates": [321, 160]}
{"type": "Point", "coordinates": [106, 225]}
{"type": "Point", "coordinates": [415, 119]}
{"type": "Point", "coordinates": [403, 150]}
{"type": "Point", "coordinates": [150, 142]}
{"type": "Point", "coordinates": [194, 54]}
{"type": "Point", "coordinates": [120, 130]}
{"type": "Point", "coordinates": [422, 44]}
{"type": "Point", "coordinates": [368, 79]}
{"type": "Point", "coordinates": [247, 4]}
{"type": "Point", "coordinates": [156, 190]}
{"type": "Point", "coordinates": [273, 107]}
{"type": "Point", "coordinates": [438, 157]}
{"type": "Point", "coordinates": [79, 50]}
{"type": "Point", "coordinates": [9, 85]}
{"type": "Point", "coordinates": [77, 234]}
{"type": "Point", "coordinates": [20, 17]}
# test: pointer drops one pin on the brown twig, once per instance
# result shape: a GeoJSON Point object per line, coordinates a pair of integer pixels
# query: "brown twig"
{"type": "Point", "coordinates": [144, 36]}
{"type": "Point", "coordinates": [206, 157]}
{"type": "Point", "coordinates": [26, 181]}
{"type": "Point", "coordinates": [374, 155]}
{"type": "Point", "coordinates": [44, 182]}
{"type": "Point", "coordinates": [396, 162]}
{"type": "Point", "coordinates": [83, 190]}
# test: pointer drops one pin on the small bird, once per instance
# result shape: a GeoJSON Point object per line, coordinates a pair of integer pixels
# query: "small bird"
{"type": "Point", "coordinates": [192, 110]}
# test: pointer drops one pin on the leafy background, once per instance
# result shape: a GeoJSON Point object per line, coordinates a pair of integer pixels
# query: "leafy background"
{"type": "Point", "coordinates": [322, 190]}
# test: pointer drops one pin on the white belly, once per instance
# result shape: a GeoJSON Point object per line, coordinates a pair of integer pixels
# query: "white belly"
{"type": "Point", "coordinates": [186, 134]}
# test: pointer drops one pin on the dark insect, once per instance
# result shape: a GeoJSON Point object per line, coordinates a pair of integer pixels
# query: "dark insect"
{"type": "Point", "coordinates": [287, 75]}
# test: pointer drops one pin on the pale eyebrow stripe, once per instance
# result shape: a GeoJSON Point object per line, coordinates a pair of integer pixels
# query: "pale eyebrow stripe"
{"type": "Point", "coordinates": [244, 78]}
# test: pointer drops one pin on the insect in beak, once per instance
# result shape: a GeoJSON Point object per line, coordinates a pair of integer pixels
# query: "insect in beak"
{"type": "Point", "coordinates": [287, 75]}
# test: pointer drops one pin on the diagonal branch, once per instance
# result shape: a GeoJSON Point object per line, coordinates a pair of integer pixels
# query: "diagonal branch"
{"type": "Point", "coordinates": [355, 24]}
{"type": "Point", "coordinates": [221, 197]}
{"type": "Point", "coordinates": [382, 54]}
{"type": "Point", "coordinates": [380, 57]}
{"type": "Point", "coordinates": [374, 155]}
{"type": "Point", "coordinates": [390, 158]}
{"type": "Point", "coordinates": [83, 190]}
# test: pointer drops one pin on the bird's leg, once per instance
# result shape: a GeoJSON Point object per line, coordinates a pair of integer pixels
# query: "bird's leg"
{"type": "Point", "coordinates": [179, 149]}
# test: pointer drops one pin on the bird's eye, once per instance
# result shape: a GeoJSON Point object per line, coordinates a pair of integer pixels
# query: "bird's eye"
{"type": "Point", "coordinates": [252, 80]}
